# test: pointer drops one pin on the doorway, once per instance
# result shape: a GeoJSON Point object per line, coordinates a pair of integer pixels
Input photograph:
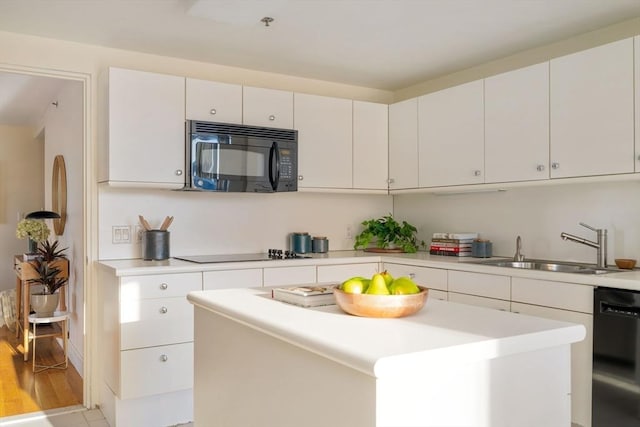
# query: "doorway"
{"type": "Point", "coordinates": [49, 112]}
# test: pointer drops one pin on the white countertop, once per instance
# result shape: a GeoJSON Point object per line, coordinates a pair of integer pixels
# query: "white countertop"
{"type": "Point", "coordinates": [127, 267]}
{"type": "Point", "coordinates": [442, 332]}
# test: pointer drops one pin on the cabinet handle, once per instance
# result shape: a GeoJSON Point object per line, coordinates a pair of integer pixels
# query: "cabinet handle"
{"type": "Point", "coordinates": [164, 286]}
{"type": "Point", "coordinates": [555, 165]}
{"type": "Point", "coordinates": [300, 177]}
{"type": "Point", "coordinates": [272, 117]}
{"type": "Point", "coordinates": [412, 275]}
{"type": "Point", "coordinates": [178, 172]}
{"type": "Point", "coordinates": [540, 168]}
{"type": "Point", "coordinates": [638, 157]}
{"type": "Point", "coordinates": [164, 310]}
{"type": "Point", "coordinates": [477, 173]}
{"type": "Point", "coordinates": [164, 358]}
{"type": "Point", "coordinates": [212, 111]}
{"type": "Point", "coordinates": [391, 181]}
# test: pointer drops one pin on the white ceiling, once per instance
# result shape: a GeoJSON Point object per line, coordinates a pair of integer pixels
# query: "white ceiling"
{"type": "Point", "coordinates": [384, 44]}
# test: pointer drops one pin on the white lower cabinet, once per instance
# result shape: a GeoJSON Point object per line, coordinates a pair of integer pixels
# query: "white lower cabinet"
{"type": "Point", "coordinates": [289, 275]}
{"type": "Point", "coordinates": [147, 348]}
{"type": "Point", "coordinates": [496, 304]}
{"type": "Point", "coordinates": [249, 278]}
{"type": "Point", "coordinates": [480, 284]}
{"type": "Point", "coordinates": [568, 302]}
{"type": "Point", "coordinates": [340, 273]}
{"type": "Point", "coordinates": [433, 278]}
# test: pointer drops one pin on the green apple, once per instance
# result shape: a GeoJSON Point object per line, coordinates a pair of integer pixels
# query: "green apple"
{"type": "Point", "coordinates": [355, 285]}
{"type": "Point", "coordinates": [377, 286]}
{"type": "Point", "coordinates": [403, 286]}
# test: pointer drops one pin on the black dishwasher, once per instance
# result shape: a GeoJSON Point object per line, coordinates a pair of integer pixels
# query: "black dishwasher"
{"type": "Point", "coordinates": [616, 358]}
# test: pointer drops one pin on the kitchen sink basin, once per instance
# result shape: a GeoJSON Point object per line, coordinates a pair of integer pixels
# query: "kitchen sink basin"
{"type": "Point", "coordinates": [543, 265]}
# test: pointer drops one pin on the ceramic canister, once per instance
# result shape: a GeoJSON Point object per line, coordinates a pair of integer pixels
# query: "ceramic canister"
{"type": "Point", "coordinates": [301, 243]}
{"type": "Point", "coordinates": [319, 245]}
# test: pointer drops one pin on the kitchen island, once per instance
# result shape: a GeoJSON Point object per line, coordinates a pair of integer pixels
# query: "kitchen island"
{"type": "Point", "coordinates": [260, 362]}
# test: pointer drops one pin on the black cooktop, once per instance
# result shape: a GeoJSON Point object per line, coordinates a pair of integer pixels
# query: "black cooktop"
{"type": "Point", "coordinates": [273, 254]}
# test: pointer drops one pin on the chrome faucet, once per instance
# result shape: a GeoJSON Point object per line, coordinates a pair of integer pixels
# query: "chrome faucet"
{"type": "Point", "coordinates": [600, 245]}
{"type": "Point", "coordinates": [518, 256]}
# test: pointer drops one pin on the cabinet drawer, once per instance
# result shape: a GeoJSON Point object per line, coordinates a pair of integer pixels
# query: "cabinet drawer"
{"type": "Point", "coordinates": [225, 279]}
{"type": "Point", "coordinates": [289, 275]}
{"type": "Point", "coordinates": [484, 285]}
{"type": "Point", "coordinates": [156, 370]}
{"type": "Point", "coordinates": [432, 278]}
{"type": "Point", "coordinates": [436, 294]}
{"type": "Point", "coordinates": [567, 296]}
{"type": "Point", "coordinates": [159, 286]}
{"type": "Point", "coordinates": [340, 273]}
{"type": "Point", "coordinates": [152, 322]}
{"type": "Point", "coordinates": [496, 304]}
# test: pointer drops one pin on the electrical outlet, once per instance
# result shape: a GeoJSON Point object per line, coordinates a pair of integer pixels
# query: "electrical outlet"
{"type": "Point", "coordinates": [120, 234]}
{"type": "Point", "coordinates": [349, 232]}
{"type": "Point", "coordinates": [137, 234]}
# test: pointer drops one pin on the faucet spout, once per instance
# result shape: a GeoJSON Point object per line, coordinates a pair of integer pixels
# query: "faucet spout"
{"type": "Point", "coordinates": [518, 256]}
{"type": "Point", "coordinates": [600, 244]}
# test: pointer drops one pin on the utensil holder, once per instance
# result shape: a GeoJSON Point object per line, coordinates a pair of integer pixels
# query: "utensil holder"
{"type": "Point", "coordinates": [155, 245]}
{"type": "Point", "coordinates": [319, 245]}
{"type": "Point", "coordinates": [301, 243]}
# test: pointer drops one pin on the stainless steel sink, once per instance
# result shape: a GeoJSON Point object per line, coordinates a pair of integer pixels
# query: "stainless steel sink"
{"type": "Point", "coordinates": [544, 265]}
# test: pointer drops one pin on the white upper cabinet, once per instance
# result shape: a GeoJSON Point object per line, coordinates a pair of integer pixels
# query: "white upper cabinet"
{"type": "Point", "coordinates": [267, 107]}
{"type": "Point", "coordinates": [143, 133]}
{"type": "Point", "coordinates": [451, 136]}
{"type": "Point", "coordinates": [517, 125]}
{"type": "Point", "coordinates": [213, 101]}
{"type": "Point", "coordinates": [370, 145]}
{"type": "Point", "coordinates": [403, 144]}
{"type": "Point", "coordinates": [592, 130]}
{"type": "Point", "coordinates": [325, 130]}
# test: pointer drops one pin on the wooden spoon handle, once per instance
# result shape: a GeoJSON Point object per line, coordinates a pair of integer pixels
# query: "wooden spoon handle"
{"type": "Point", "coordinates": [145, 224]}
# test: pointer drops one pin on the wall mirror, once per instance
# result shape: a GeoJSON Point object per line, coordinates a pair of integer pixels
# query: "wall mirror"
{"type": "Point", "coordinates": [59, 194]}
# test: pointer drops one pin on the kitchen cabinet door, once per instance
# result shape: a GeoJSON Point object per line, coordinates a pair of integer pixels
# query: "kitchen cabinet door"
{"type": "Point", "coordinates": [451, 136]}
{"type": "Point", "coordinates": [143, 137]}
{"type": "Point", "coordinates": [581, 358]}
{"type": "Point", "coordinates": [340, 273]}
{"type": "Point", "coordinates": [496, 304]}
{"type": "Point", "coordinates": [224, 279]}
{"type": "Point", "coordinates": [565, 296]}
{"type": "Point", "coordinates": [370, 146]}
{"type": "Point", "coordinates": [213, 101]}
{"type": "Point", "coordinates": [281, 276]}
{"type": "Point", "coordinates": [267, 107]}
{"type": "Point", "coordinates": [325, 129]}
{"type": "Point", "coordinates": [517, 125]}
{"type": "Point", "coordinates": [592, 129]}
{"type": "Point", "coordinates": [432, 278]}
{"type": "Point", "coordinates": [480, 284]}
{"type": "Point", "coordinates": [403, 144]}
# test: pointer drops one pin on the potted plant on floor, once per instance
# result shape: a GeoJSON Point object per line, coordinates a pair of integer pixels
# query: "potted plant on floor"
{"type": "Point", "coordinates": [388, 235]}
{"type": "Point", "coordinates": [50, 272]}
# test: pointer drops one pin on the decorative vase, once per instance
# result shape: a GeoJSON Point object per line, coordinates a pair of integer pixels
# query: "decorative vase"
{"type": "Point", "coordinates": [44, 304]}
{"type": "Point", "coordinates": [32, 246]}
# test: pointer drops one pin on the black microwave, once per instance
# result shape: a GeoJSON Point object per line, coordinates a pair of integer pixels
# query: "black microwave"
{"type": "Point", "coordinates": [237, 158]}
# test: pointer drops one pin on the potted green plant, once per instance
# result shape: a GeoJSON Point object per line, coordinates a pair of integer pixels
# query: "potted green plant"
{"type": "Point", "coordinates": [51, 272]}
{"type": "Point", "coordinates": [387, 233]}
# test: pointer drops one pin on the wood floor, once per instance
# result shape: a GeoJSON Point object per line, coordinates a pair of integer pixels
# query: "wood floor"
{"type": "Point", "coordinates": [22, 391]}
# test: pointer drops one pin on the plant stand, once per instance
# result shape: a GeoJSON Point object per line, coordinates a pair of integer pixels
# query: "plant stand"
{"type": "Point", "coordinates": [56, 327]}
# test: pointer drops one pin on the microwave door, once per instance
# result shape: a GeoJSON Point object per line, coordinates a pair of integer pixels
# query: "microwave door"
{"type": "Point", "coordinates": [274, 166]}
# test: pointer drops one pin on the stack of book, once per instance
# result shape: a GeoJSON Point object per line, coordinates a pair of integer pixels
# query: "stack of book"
{"type": "Point", "coordinates": [452, 244]}
{"type": "Point", "coordinates": [306, 295]}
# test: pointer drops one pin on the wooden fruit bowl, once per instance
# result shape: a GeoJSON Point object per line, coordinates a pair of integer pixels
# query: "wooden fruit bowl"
{"type": "Point", "coordinates": [365, 305]}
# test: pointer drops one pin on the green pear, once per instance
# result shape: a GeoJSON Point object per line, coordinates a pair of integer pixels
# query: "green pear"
{"type": "Point", "coordinates": [377, 286]}
{"type": "Point", "coordinates": [403, 286]}
{"type": "Point", "coordinates": [388, 278]}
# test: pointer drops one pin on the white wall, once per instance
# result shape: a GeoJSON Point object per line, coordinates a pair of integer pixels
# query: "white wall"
{"type": "Point", "coordinates": [214, 223]}
{"type": "Point", "coordinates": [21, 191]}
{"type": "Point", "coordinates": [538, 215]}
{"type": "Point", "coordinates": [63, 129]}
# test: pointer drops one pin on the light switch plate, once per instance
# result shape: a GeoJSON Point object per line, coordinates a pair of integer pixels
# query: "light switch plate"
{"type": "Point", "coordinates": [120, 234]}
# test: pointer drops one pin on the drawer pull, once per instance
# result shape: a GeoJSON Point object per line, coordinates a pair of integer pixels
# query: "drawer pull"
{"type": "Point", "coordinates": [164, 358]}
{"type": "Point", "coordinates": [412, 275]}
{"type": "Point", "coordinates": [164, 286]}
{"type": "Point", "coordinates": [163, 310]}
